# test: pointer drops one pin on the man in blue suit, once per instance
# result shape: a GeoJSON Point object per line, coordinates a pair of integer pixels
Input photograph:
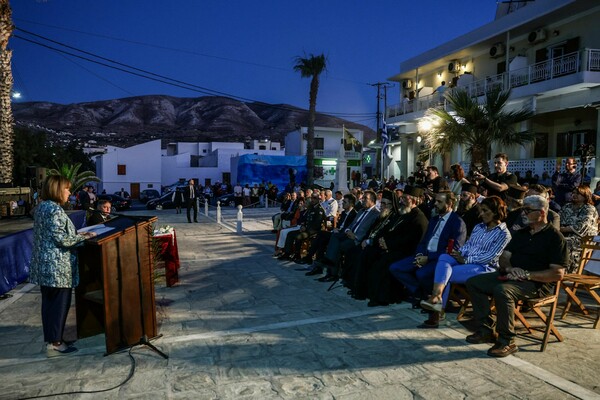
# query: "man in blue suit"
{"type": "Point", "coordinates": [416, 273]}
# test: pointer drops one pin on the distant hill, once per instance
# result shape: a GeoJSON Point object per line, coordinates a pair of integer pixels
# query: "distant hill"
{"type": "Point", "coordinates": [133, 120]}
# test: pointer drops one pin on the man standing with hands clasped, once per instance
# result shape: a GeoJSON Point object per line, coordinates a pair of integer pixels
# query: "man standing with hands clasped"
{"type": "Point", "coordinates": [191, 196]}
{"type": "Point", "coordinates": [530, 265]}
{"type": "Point", "coordinates": [563, 183]}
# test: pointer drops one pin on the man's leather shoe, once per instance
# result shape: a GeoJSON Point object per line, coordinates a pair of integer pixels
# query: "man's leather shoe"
{"type": "Point", "coordinates": [327, 278]}
{"type": "Point", "coordinates": [314, 271]}
{"type": "Point", "coordinates": [284, 257]}
{"type": "Point", "coordinates": [429, 325]}
{"type": "Point", "coordinates": [478, 338]}
{"type": "Point", "coordinates": [502, 350]}
{"type": "Point", "coordinates": [303, 260]}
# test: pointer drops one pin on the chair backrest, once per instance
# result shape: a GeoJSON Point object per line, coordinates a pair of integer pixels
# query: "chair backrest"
{"type": "Point", "coordinates": [590, 255]}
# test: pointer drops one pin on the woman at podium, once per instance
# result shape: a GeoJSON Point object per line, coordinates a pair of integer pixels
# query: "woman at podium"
{"type": "Point", "coordinates": [54, 261]}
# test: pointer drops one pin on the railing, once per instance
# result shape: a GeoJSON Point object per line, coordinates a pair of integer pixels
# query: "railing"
{"type": "Point", "coordinates": [593, 60]}
{"type": "Point", "coordinates": [538, 72]}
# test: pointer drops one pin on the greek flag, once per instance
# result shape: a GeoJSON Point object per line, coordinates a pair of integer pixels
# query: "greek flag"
{"type": "Point", "coordinates": [384, 137]}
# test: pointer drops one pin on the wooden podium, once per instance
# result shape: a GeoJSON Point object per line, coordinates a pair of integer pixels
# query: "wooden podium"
{"type": "Point", "coordinates": [116, 289]}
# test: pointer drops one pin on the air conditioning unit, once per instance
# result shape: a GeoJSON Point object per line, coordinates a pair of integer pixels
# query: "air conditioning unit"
{"type": "Point", "coordinates": [406, 84]}
{"type": "Point", "coordinates": [497, 50]}
{"type": "Point", "coordinates": [454, 66]}
{"type": "Point", "coordinates": [537, 36]}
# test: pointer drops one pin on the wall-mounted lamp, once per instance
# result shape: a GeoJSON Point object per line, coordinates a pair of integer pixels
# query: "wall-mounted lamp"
{"type": "Point", "coordinates": [439, 75]}
{"type": "Point", "coordinates": [419, 138]}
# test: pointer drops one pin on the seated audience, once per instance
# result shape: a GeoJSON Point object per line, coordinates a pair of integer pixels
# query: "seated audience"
{"type": "Point", "coordinates": [359, 257]}
{"type": "Point", "coordinates": [479, 255]}
{"type": "Point", "coordinates": [315, 216]}
{"type": "Point", "coordinates": [101, 214]}
{"type": "Point", "coordinates": [534, 259]}
{"type": "Point", "coordinates": [468, 207]}
{"type": "Point", "coordinates": [578, 218]}
{"type": "Point", "coordinates": [295, 224]}
{"type": "Point", "coordinates": [540, 190]}
{"type": "Point", "coordinates": [352, 236]}
{"type": "Point", "coordinates": [318, 246]}
{"type": "Point", "coordinates": [444, 230]}
{"type": "Point", "coordinates": [373, 279]}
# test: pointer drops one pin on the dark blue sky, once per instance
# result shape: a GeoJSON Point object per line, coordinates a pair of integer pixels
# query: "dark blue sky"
{"type": "Point", "coordinates": [243, 48]}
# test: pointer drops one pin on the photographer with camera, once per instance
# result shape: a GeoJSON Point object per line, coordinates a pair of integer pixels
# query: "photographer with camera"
{"type": "Point", "coordinates": [498, 182]}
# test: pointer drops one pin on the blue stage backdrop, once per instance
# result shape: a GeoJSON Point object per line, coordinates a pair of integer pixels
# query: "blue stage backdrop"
{"type": "Point", "coordinates": [15, 254]}
{"type": "Point", "coordinates": [252, 168]}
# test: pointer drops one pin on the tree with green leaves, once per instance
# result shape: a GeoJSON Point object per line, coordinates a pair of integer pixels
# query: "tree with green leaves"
{"type": "Point", "coordinates": [474, 125]}
{"type": "Point", "coordinates": [71, 172]}
{"type": "Point", "coordinates": [311, 67]}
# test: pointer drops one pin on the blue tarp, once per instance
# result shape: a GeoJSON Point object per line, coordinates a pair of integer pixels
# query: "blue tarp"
{"type": "Point", "coordinates": [254, 168]}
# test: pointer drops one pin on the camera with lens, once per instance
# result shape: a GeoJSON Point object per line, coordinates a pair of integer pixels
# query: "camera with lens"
{"type": "Point", "coordinates": [477, 168]}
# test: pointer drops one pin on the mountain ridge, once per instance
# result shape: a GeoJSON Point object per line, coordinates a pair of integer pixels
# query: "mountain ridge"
{"type": "Point", "coordinates": [137, 119]}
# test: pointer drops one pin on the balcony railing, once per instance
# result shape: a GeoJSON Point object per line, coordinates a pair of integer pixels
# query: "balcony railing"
{"type": "Point", "coordinates": [588, 60]}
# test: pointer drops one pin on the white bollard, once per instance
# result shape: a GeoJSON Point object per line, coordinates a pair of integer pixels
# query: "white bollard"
{"type": "Point", "coordinates": [218, 212]}
{"type": "Point", "coordinates": [266, 201]}
{"type": "Point", "coordinates": [206, 207]}
{"type": "Point", "coordinates": [240, 219]}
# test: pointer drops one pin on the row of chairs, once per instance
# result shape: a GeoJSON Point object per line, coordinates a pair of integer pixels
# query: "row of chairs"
{"type": "Point", "coordinates": [586, 278]}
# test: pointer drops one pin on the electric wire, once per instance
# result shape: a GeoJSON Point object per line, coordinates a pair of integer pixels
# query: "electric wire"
{"type": "Point", "coordinates": [89, 71]}
{"type": "Point", "coordinates": [185, 51]}
{"type": "Point", "coordinates": [127, 379]}
{"type": "Point", "coordinates": [158, 77]}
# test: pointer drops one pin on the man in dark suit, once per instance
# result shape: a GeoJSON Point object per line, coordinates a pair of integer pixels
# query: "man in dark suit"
{"type": "Point", "coordinates": [191, 196]}
{"type": "Point", "coordinates": [101, 214]}
{"type": "Point", "coordinates": [319, 244]}
{"type": "Point", "coordinates": [399, 241]}
{"type": "Point", "coordinates": [84, 199]}
{"type": "Point", "coordinates": [468, 207]}
{"type": "Point", "coordinates": [343, 241]}
{"type": "Point", "coordinates": [416, 273]}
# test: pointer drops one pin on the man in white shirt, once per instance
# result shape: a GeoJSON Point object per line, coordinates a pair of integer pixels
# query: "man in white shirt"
{"type": "Point", "coordinates": [445, 229]}
{"type": "Point", "coordinates": [330, 206]}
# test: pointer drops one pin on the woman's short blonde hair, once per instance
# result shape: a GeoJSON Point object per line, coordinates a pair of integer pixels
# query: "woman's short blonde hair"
{"type": "Point", "coordinates": [53, 187]}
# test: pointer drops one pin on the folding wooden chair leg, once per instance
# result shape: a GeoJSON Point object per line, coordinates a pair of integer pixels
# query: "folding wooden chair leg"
{"type": "Point", "coordinates": [572, 298]}
{"type": "Point", "coordinates": [548, 320]}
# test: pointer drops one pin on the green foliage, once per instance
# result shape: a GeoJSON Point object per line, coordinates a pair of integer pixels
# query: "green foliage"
{"type": "Point", "coordinates": [473, 125]}
{"type": "Point", "coordinates": [71, 172]}
{"type": "Point", "coordinates": [311, 67]}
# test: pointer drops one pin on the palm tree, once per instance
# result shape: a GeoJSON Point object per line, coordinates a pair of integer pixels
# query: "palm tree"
{"type": "Point", "coordinates": [71, 172]}
{"type": "Point", "coordinates": [311, 67]}
{"type": "Point", "coordinates": [6, 84]}
{"type": "Point", "coordinates": [474, 125]}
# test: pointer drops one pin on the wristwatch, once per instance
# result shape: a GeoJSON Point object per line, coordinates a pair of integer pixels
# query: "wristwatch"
{"type": "Point", "coordinates": [528, 275]}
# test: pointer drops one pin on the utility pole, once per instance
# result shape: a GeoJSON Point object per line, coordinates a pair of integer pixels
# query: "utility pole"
{"type": "Point", "coordinates": [380, 85]}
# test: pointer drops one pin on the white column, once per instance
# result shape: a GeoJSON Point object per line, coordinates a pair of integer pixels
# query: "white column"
{"type": "Point", "coordinates": [596, 177]}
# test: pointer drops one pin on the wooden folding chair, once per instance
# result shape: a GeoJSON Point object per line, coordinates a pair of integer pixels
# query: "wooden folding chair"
{"type": "Point", "coordinates": [587, 277]}
{"type": "Point", "coordinates": [460, 294]}
{"type": "Point", "coordinates": [535, 305]}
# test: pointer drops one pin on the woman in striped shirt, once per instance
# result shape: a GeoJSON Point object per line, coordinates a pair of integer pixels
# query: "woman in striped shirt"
{"type": "Point", "coordinates": [479, 254]}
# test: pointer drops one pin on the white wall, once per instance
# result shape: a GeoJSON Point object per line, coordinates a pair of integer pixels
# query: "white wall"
{"type": "Point", "coordinates": [142, 162]}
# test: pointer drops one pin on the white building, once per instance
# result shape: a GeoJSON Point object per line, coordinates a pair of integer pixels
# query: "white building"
{"type": "Point", "coordinates": [546, 51]}
{"type": "Point", "coordinates": [327, 150]}
{"type": "Point", "coordinates": [146, 166]}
